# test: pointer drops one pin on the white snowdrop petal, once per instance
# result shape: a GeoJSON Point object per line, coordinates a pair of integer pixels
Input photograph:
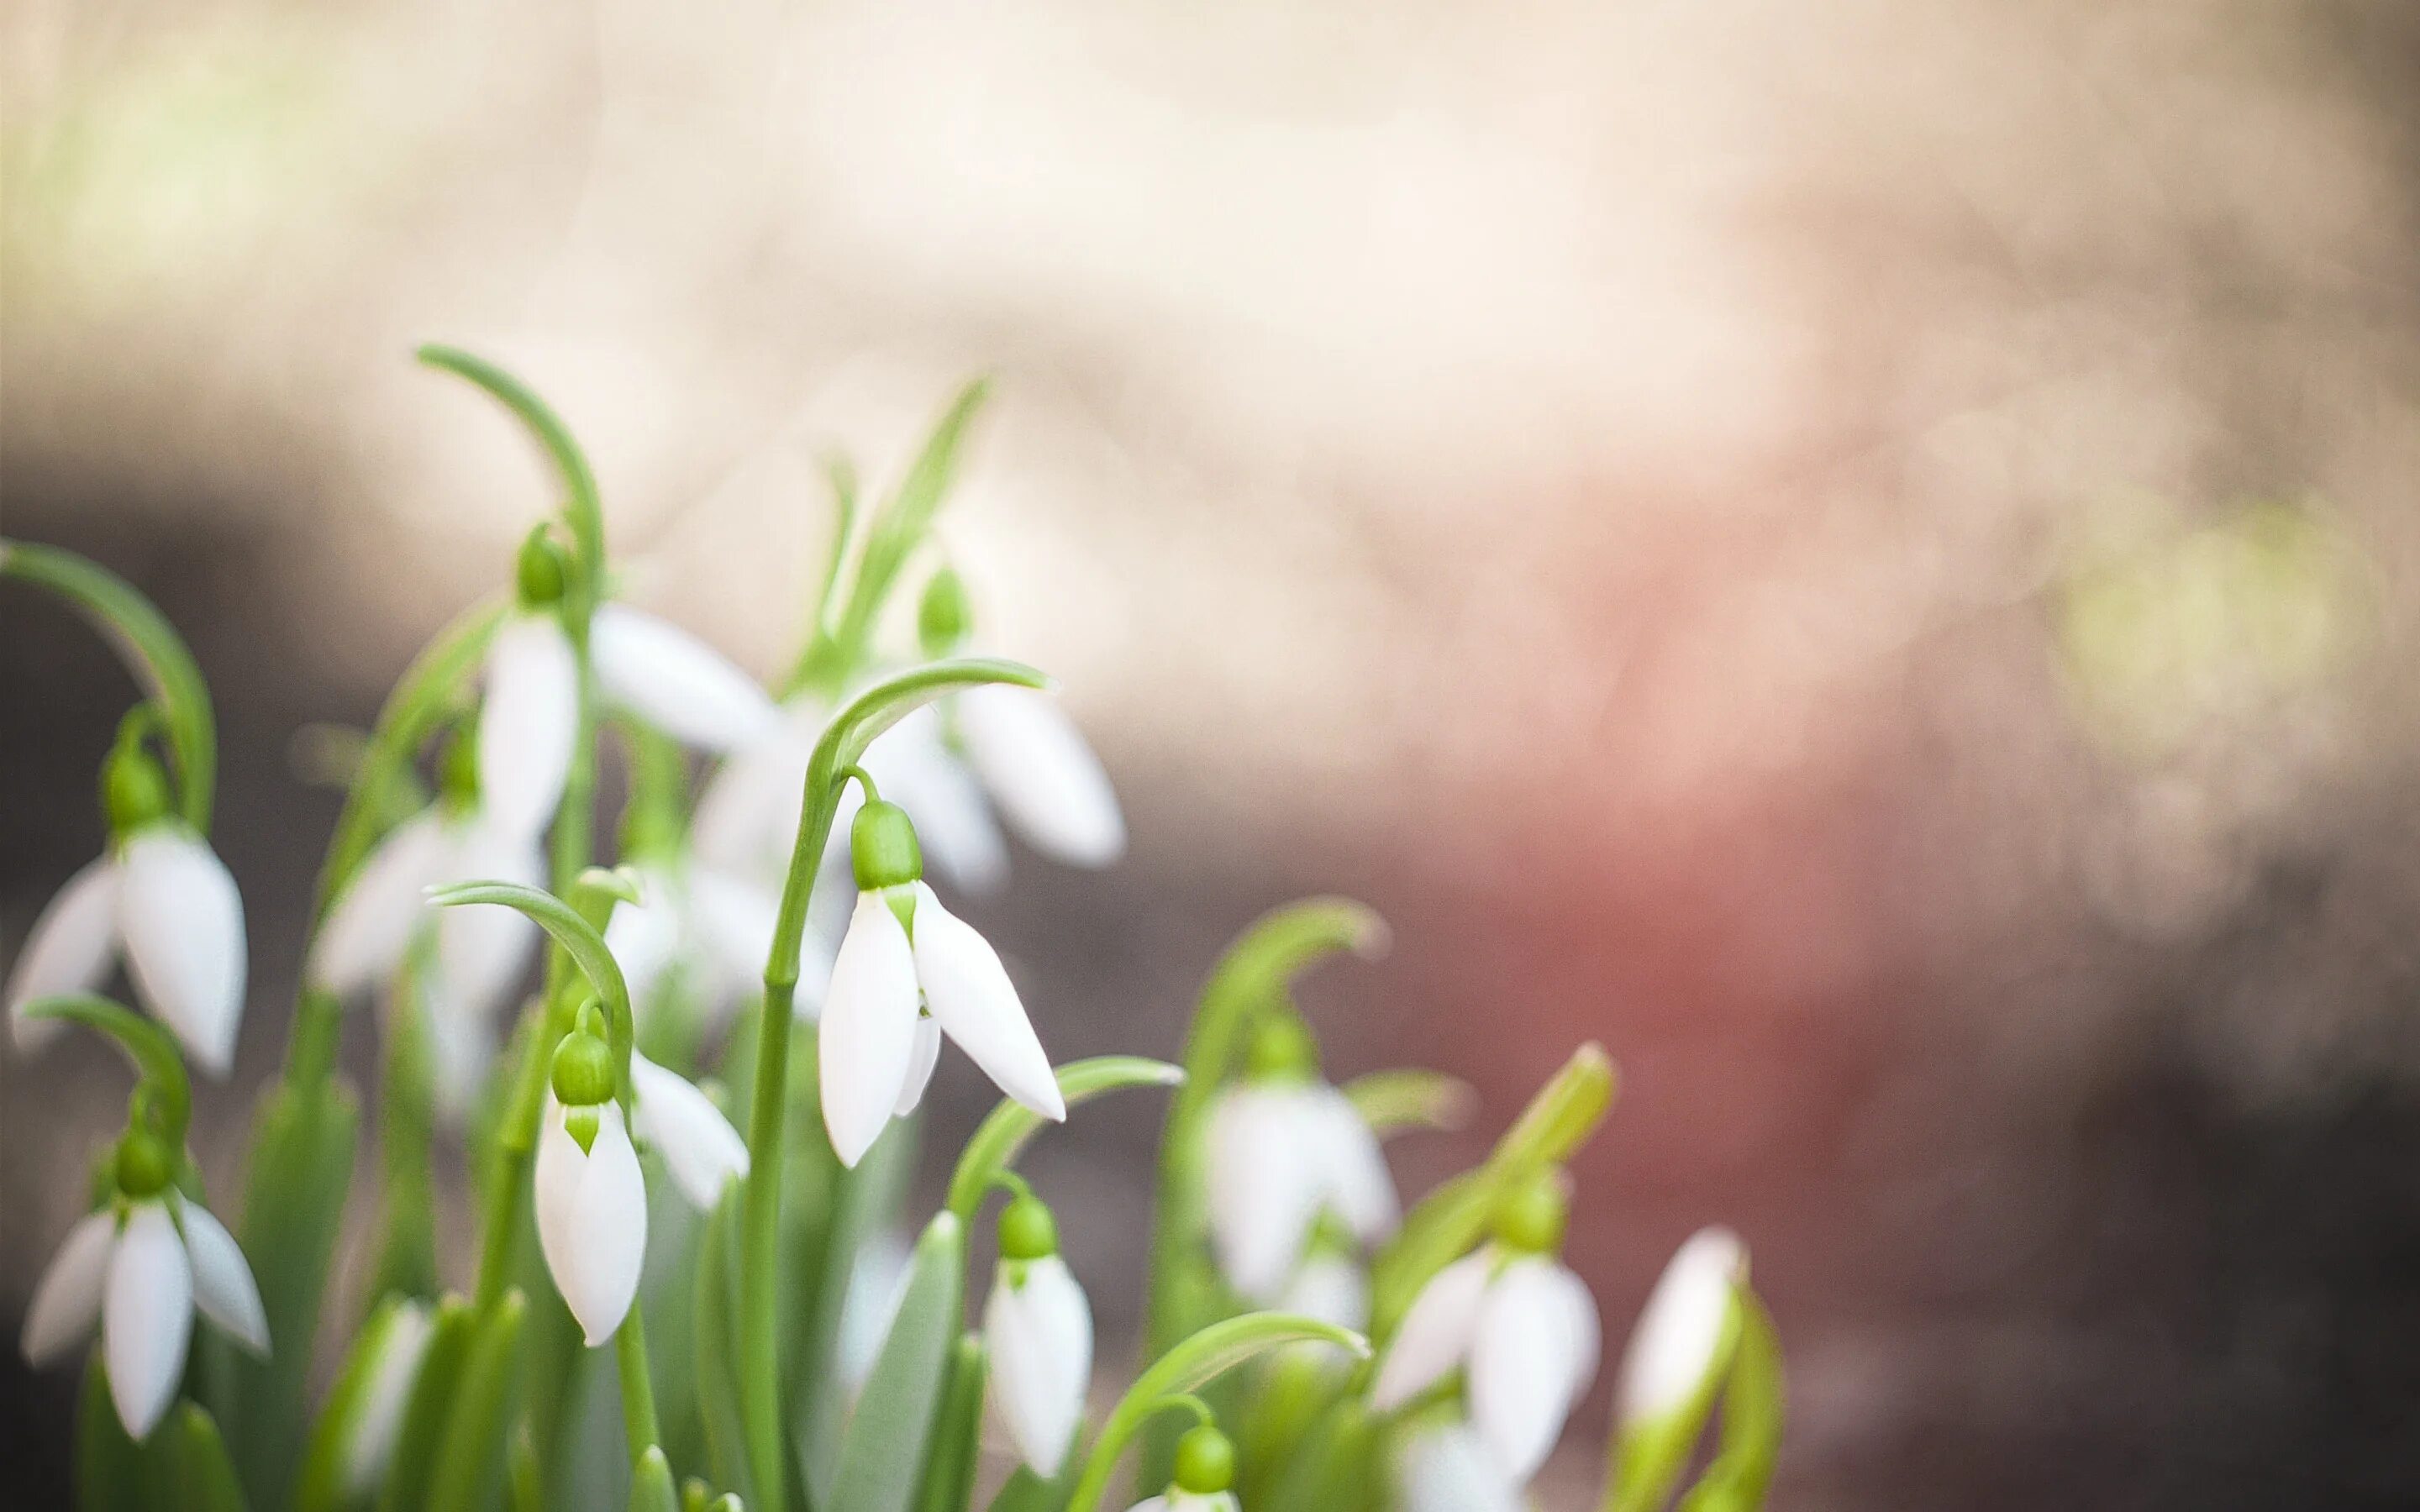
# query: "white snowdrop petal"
{"type": "Point", "coordinates": [67, 950]}
{"type": "Point", "coordinates": [1330, 1289]}
{"type": "Point", "coordinates": [380, 1423]}
{"type": "Point", "coordinates": [868, 1033]}
{"type": "Point", "coordinates": [1264, 1186]}
{"type": "Point", "coordinates": [527, 723]}
{"type": "Point", "coordinates": [1435, 1333]}
{"type": "Point", "coordinates": [675, 681]}
{"type": "Point", "coordinates": [921, 1061]}
{"type": "Point", "coordinates": [953, 818]}
{"type": "Point", "coordinates": [1449, 1470]}
{"type": "Point", "coordinates": [483, 951]}
{"type": "Point", "coordinates": [67, 1300]}
{"type": "Point", "coordinates": [1042, 774]}
{"type": "Point", "coordinates": [968, 992]}
{"type": "Point", "coordinates": [1040, 1335]}
{"type": "Point", "coordinates": [1673, 1345]}
{"type": "Point", "coordinates": [607, 1230]}
{"type": "Point", "coordinates": [1359, 1186]}
{"type": "Point", "coordinates": [147, 1317]}
{"type": "Point", "coordinates": [1532, 1353]}
{"type": "Point", "coordinates": [380, 911]}
{"type": "Point", "coordinates": [461, 1049]}
{"type": "Point", "coordinates": [748, 815]}
{"type": "Point", "coordinates": [644, 939]}
{"type": "Point", "coordinates": [735, 920]}
{"type": "Point", "coordinates": [183, 924]}
{"type": "Point", "coordinates": [699, 1146]}
{"type": "Point", "coordinates": [554, 1194]}
{"type": "Point", "coordinates": [222, 1285]}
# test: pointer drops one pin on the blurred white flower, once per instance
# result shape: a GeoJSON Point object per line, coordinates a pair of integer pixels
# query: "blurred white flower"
{"type": "Point", "coordinates": [716, 926]}
{"type": "Point", "coordinates": [402, 1338]}
{"type": "Point", "coordinates": [1282, 1150]}
{"type": "Point", "coordinates": [1039, 1329]}
{"type": "Point", "coordinates": [1449, 1469]}
{"type": "Point", "coordinates": [1679, 1337]}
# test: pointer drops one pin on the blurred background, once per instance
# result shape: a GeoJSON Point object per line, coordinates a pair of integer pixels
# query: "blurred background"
{"type": "Point", "coordinates": [1861, 554]}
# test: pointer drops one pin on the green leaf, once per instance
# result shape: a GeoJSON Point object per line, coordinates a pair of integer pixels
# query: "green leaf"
{"type": "Point", "coordinates": [151, 1048]}
{"type": "Point", "coordinates": [1395, 1101]}
{"type": "Point", "coordinates": [1004, 1134]}
{"type": "Point", "coordinates": [957, 1431]}
{"type": "Point", "coordinates": [891, 540]}
{"type": "Point", "coordinates": [159, 657]}
{"type": "Point", "coordinates": [863, 1203]}
{"type": "Point", "coordinates": [1454, 1217]}
{"type": "Point", "coordinates": [203, 1478]}
{"type": "Point", "coordinates": [1194, 1363]}
{"type": "Point", "coordinates": [407, 1176]}
{"type": "Point", "coordinates": [1755, 1407]}
{"type": "Point", "coordinates": [108, 1464]}
{"type": "Point", "coordinates": [300, 1171]}
{"type": "Point", "coordinates": [651, 1483]}
{"type": "Point", "coordinates": [320, 1486]}
{"type": "Point", "coordinates": [718, 1376]}
{"type": "Point", "coordinates": [431, 1404]}
{"type": "Point", "coordinates": [470, 1456]}
{"type": "Point", "coordinates": [882, 1450]}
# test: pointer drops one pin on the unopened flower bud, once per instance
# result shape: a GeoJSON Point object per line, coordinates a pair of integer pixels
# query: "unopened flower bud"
{"type": "Point", "coordinates": [1027, 1230]}
{"type": "Point", "coordinates": [882, 848]}
{"type": "Point", "coordinates": [1281, 1050]}
{"type": "Point", "coordinates": [1530, 1218]}
{"type": "Point", "coordinates": [1205, 1461]}
{"type": "Point", "coordinates": [583, 1070]}
{"type": "Point", "coordinates": [134, 790]}
{"type": "Point", "coordinates": [145, 1165]}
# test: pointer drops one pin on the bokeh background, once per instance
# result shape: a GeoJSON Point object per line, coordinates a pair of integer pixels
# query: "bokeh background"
{"type": "Point", "coordinates": [1862, 554]}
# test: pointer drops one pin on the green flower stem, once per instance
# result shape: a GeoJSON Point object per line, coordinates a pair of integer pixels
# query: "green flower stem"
{"type": "Point", "coordinates": [840, 746]}
{"type": "Point", "coordinates": [639, 1424]}
{"type": "Point", "coordinates": [1192, 1363]}
{"type": "Point", "coordinates": [151, 1048]}
{"type": "Point", "coordinates": [1003, 1133]}
{"type": "Point", "coordinates": [159, 656]}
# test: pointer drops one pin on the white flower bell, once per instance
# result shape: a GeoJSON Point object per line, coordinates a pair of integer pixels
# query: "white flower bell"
{"type": "Point", "coordinates": [1205, 1468]}
{"type": "Point", "coordinates": [1039, 1329]}
{"type": "Point", "coordinates": [591, 1200]}
{"type": "Point", "coordinates": [1678, 1343]}
{"type": "Point", "coordinates": [662, 674]}
{"type": "Point", "coordinates": [1525, 1327]}
{"type": "Point", "coordinates": [163, 899]}
{"type": "Point", "coordinates": [905, 953]}
{"type": "Point", "coordinates": [1450, 1469]}
{"type": "Point", "coordinates": [1284, 1147]}
{"type": "Point", "coordinates": [140, 1269]}
{"type": "Point", "coordinates": [681, 1123]}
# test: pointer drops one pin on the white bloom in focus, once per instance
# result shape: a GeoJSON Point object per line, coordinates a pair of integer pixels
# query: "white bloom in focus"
{"type": "Point", "coordinates": [1525, 1327]}
{"type": "Point", "coordinates": [1039, 1329]}
{"type": "Point", "coordinates": [163, 899]}
{"type": "Point", "coordinates": [699, 1146]}
{"type": "Point", "coordinates": [1283, 1150]}
{"type": "Point", "coordinates": [591, 1215]}
{"type": "Point", "coordinates": [141, 1281]}
{"type": "Point", "coordinates": [1447, 1469]}
{"type": "Point", "coordinates": [876, 1053]}
{"type": "Point", "coordinates": [1680, 1333]}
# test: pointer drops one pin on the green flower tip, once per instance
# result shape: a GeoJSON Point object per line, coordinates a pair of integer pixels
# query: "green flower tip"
{"type": "Point", "coordinates": [458, 766]}
{"type": "Point", "coordinates": [134, 789]}
{"type": "Point", "coordinates": [583, 1070]}
{"type": "Point", "coordinates": [1205, 1461]}
{"type": "Point", "coordinates": [540, 573]}
{"type": "Point", "coordinates": [882, 847]}
{"type": "Point", "coordinates": [1282, 1049]}
{"type": "Point", "coordinates": [1027, 1230]}
{"type": "Point", "coordinates": [145, 1164]}
{"type": "Point", "coordinates": [944, 616]}
{"type": "Point", "coordinates": [1532, 1215]}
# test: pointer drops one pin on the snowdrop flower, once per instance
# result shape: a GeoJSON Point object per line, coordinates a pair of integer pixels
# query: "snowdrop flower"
{"type": "Point", "coordinates": [1449, 1469]}
{"type": "Point", "coordinates": [1286, 1146]}
{"type": "Point", "coordinates": [139, 1269]}
{"type": "Point", "coordinates": [1523, 1326]}
{"type": "Point", "coordinates": [590, 1197]}
{"type": "Point", "coordinates": [681, 1123]}
{"type": "Point", "coordinates": [714, 924]}
{"type": "Point", "coordinates": [1205, 1467]}
{"type": "Point", "coordinates": [904, 948]}
{"type": "Point", "coordinates": [1684, 1333]}
{"type": "Point", "coordinates": [644, 665]}
{"type": "Point", "coordinates": [1039, 1329]}
{"type": "Point", "coordinates": [163, 899]}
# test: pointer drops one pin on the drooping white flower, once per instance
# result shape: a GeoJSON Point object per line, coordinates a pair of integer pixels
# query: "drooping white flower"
{"type": "Point", "coordinates": [1525, 1327]}
{"type": "Point", "coordinates": [873, 1058]}
{"type": "Point", "coordinates": [140, 1274]}
{"type": "Point", "coordinates": [714, 924]}
{"type": "Point", "coordinates": [1038, 1326]}
{"type": "Point", "coordinates": [592, 1213]}
{"type": "Point", "coordinates": [1035, 765]}
{"type": "Point", "coordinates": [163, 899]}
{"type": "Point", "coordinates": [1284, 1148]}
{"type": "Point", "coordinates": [1450, 1469]}
{"type": "Point", "coordinates": [644, 665]}
{"type": "Point", "coordinates": [681, 1123]}
{"type": "Point", "coordinates": [1330, 1288]}
{"type": "Point", "coordinates": [1679, 1337]}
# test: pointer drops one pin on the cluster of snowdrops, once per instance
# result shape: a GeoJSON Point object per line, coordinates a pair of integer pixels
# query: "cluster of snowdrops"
{"type": "Point", "coordinates": [703, 1114]}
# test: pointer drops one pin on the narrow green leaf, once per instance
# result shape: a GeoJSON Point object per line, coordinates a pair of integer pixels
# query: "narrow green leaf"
{"type": "Point", "coordinates": [891, 540]}
{"type": "Point", "coordinates": [470, 1456]}
{"type": "Point", "coordinates": [957, 1431]}
{"type": "Point", "coordinates": [718, 1376]}
{"type": "Point", "coordinates": [1395, 1101]}
{"type": "Point", "coordinates": [651, 1483]}
{"type": "Point", "coordinates": [1451, 1219]}
{"type": "Point", "coordinates": [158, 655]}
{"type": "Point", "coordinates": [204, 1476]}
{"type": "Point", "coordinates": [1649, 1457]}
{"type": "Point", "coordinates": [431, 1404]}
{"type": "Point", "coordinates": [863, 1203]}
{"type": "Point", "coordinates": [882, 1450]}
{"type": "Point", "coordinates": [1004, 1134]}
{"type": "Point", "coordinates": [1755, 1407]}
{"type": "Point", "coordinates": [320, 1486]}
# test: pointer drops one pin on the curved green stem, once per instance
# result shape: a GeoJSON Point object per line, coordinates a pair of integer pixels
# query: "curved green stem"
{"type": "Point", "coordinates": [152, 1049]}
{"type": "Point", "coordinates": [582, 510]}
{"type": "Point", "coordinates": [578, 938]}
{"type": "Point", "coordinates": [1193, 1363]}
{"type": "Point", "coordinates": [159, 656]}
{"type": "Point", "coordinates": [1003, 1133]}
{"type": "Point", "coordinates": [841, 745]}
